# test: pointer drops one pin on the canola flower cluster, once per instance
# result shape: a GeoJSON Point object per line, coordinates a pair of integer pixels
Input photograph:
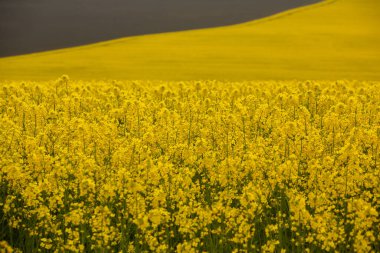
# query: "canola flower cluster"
{"type": "Point", "coordinates": [281, 166]}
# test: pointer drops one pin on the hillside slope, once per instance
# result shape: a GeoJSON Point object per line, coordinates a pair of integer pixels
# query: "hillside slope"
{"type": "Point", "coordinates": [42, 25]}
{"type": "Point", "coordinates": [333, 40]}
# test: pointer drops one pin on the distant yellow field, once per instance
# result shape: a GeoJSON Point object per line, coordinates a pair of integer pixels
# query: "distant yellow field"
{"type": "Point", "coordinates": [332, 40]}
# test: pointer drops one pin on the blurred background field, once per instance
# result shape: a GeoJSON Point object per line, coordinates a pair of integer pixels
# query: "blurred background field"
{"type": "Point", "coordinates": [336, 39]}
{"type": "Point", "coordinates": [41, 25]}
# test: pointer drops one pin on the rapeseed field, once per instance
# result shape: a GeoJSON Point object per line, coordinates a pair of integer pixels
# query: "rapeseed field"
{"type": "Point", "coordinates": [330, 40]}
{"type": "Point", "coordinates": [208, 166]}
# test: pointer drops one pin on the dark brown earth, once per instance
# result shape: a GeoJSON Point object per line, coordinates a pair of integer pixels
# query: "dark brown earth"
{"type": "Point", "coordinates": [28, 26]}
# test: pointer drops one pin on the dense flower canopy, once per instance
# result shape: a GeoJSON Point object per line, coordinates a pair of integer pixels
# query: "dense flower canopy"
{"type": "Point", "coordinates": [194, 166]}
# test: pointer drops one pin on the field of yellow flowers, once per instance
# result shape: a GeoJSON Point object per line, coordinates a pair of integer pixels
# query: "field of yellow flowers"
{"type": "Point", "coordinates": [133, 166]}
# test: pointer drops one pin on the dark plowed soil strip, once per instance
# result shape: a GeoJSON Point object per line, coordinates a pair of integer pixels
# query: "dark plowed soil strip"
{"type": "Point", "coordinates": [28, 26]}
